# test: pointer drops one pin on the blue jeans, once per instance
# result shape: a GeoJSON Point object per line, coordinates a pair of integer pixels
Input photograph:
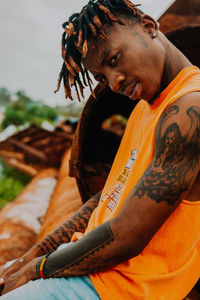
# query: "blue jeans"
{"type": "Point", "coordinates": [72, 288]}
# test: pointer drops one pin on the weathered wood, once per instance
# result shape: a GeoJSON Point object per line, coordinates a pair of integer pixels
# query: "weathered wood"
{"type": "Point", "coordinates": [35, 148]}
{"type": "Point", "coordinates": [20, 220]}
{"type": "Point", "coordinates": [185, 7]}
{"type": "Point", "coordinates": [65, 200]}
{"type": "Point", "coordinates": [21, 167]}
{"type": "Point", "coordinates": [37, 153]}
{"type": "Point", "coordinates": [10, 154]}
{"type": "Point", "coordinates": [181, 13]}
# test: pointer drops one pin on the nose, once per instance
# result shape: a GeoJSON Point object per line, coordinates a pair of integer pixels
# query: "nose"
{"type": "Point", "coordinates": [115, 80]}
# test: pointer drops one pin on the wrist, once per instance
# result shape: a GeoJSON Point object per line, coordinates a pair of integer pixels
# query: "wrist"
{"type": "Point", "coordinates": [34, 252]}
{"type": "Point", "coordinates": [40, 265]}
{"type": "Point", "coordinates": [32, 269]}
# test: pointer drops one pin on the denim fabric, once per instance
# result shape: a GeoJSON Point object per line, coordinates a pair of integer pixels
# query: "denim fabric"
{"type": "Point", "coordinates": [72, 288]}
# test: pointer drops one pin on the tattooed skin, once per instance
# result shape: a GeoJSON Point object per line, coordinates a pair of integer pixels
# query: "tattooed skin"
{"type": "Point", "coordinates": [173, 170]}
{"type": "Point", "coordinates": [141, 39]}
{"type": "Point", "coordinates": [176, 157]}
{"type": "Point", "coordinates": [64, 232]}
{"type": "Point", "coordinates": [66, 259]}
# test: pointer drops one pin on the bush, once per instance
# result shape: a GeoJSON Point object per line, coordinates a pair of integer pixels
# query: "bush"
{"type": "Point", "coordinates": [11, 183]}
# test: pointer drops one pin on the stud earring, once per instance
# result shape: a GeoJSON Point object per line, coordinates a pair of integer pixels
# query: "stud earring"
{"type": "Point", "coordinates": [154, 35]}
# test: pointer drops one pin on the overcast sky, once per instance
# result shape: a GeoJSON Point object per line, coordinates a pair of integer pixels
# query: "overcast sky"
{"type": "Point", "coordinates": [30, 34]}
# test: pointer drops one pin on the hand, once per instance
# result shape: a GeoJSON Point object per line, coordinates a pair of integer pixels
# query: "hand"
{"type": "Point", "coordinates": [2, 269]}
{"type": "Point", "coordinates": [9, 268]}
{"type": "Point", "coordinates": [21, 277]}
{"type": "Point", "coordinates": [1, 279]}
{"type": "Point", "coordinates": [6, 271]}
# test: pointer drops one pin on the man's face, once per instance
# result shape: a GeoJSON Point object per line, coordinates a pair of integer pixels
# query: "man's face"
{"type": "Point", "coordinates": [128, 60]}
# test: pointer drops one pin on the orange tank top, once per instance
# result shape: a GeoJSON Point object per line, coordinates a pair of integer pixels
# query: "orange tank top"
{"type": "Point", "coordinates": [169, 265]}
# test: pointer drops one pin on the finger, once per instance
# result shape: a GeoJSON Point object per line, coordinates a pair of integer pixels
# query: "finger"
{"type": "Point", "coordinates": [1, 272]}
{"type": "Point", "coordinates": [1, 289]}
{"type": "Point", "coordinates": [11, 285]}
{"type": "Point", "coordinates": [1, 285]}
{"type": "Point", "coordinates": [11, 267]}
{"type": "Point", "coordinates": [6, 288]}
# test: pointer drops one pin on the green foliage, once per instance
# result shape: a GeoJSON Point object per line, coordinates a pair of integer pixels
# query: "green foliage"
{"type": "Point", "coordinates": [5, 96]}
{"type": "Point", "coordinates": [11, 183]}
{"type": "Point", "coordinates": [25, 110]}
{"type": "Point", "coordinates": [43, 112]}
{"type": "Point", "coordinates": [9, 189]}
{"type": "Point", "coordinates": [20, 109]}
{"type": "Point", "coordinates": [22, 100]}
{"type": "Point", "coordinates": [13, 116]}
{"type": "Point", "coordinates": [71, 110]}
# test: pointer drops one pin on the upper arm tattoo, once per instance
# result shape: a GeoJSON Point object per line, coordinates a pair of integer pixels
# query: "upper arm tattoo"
{"type": "Point", "coordinates": [65, 231]}
{"type": "Point", "coordinates": [176, 160]}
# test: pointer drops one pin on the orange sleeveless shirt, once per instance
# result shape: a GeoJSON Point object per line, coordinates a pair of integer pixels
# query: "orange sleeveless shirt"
{"type": "Point", "coordinates": [169, 265]}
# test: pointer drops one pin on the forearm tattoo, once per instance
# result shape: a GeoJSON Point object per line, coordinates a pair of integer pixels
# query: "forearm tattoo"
{"type": "Point", "coordinates": [73, 259]}
{"type": "Point", "coordinates": [175, 165]}
{"type": "Point", "coordinates": [176, 161]}
{"type": "Point", "coordinates": [65, 231]}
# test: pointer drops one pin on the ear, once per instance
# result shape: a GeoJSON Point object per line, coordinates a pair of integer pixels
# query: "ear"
{"type": "Point", "coordinates": [149, 24]}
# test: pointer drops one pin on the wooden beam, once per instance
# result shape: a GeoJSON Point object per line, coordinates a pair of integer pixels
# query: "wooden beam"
{"type": "Point", "coordinates": [26, 148]}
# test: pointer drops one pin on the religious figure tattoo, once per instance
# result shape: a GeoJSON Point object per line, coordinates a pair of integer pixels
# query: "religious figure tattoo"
{"type": "Point", "coordinates": [171, 173]}
{"type": "Point", "coordinates": [176, 159]}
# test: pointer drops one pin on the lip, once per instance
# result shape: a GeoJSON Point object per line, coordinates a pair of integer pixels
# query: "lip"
{"type": "Point", "coordinates": [133, 91]}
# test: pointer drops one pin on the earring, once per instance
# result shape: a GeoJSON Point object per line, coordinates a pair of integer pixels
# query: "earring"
{"type": "Point", "coordinates": [154, 35]}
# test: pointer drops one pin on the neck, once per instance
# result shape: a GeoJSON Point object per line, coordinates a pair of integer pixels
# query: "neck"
{"type": "Point", "coordinates": [175, 62]}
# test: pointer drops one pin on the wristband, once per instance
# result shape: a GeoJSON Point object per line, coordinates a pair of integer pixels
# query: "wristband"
{"type": "Point", "coordinates": [42, 265]}
{"type": "Point", "coordinates": [66, 258]}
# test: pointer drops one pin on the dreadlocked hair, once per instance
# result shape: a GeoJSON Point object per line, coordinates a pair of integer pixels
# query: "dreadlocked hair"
{"type": "Point", "coordinates": [78, 30]}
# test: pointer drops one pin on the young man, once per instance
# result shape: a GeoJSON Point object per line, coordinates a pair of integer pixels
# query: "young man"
{"type": "Point", "coordinates": [142, 239]}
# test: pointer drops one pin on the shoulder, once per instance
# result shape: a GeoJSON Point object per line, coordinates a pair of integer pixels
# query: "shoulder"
{"type": "Point", "coordinates": [183, 114]}
{"type": "Point", "coordinates": [187, 100]}
{"type": "Point", "coordinates": [178, 129]}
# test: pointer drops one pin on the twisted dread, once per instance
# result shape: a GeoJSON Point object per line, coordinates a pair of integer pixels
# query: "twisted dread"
{"type": "Point", "coordinates": [77, 31]}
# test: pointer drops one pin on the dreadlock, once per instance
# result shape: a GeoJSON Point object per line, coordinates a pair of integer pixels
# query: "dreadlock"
{"type": "Point", "coordinates": [78, 30]}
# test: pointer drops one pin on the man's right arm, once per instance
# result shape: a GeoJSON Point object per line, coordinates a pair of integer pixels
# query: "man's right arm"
{"type": "Point", "coordinates": [77, 223]}
{"type": "Point", "coordinates": [62, 234]}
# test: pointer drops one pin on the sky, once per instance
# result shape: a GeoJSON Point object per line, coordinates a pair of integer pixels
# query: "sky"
{"type": "Point", "coordinates": [30, 39]}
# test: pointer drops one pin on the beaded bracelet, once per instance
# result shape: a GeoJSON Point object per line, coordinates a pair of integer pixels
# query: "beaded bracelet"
{"type": "Point", "coordinates": [42, 265]}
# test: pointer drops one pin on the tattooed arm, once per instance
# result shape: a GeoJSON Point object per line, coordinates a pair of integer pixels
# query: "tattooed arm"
{"type": "Point", "coordinates": [78, 222]}
{"type": "Point", "coordinates": [62, 234]}
{"type": "Point", "coordinates": [157, 194]}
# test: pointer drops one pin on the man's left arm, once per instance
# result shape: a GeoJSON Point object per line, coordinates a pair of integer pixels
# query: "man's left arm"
{"type": "Point", "coordinates": [157, 194]}
{"type": "Point", "coordinates": [163, 185]}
